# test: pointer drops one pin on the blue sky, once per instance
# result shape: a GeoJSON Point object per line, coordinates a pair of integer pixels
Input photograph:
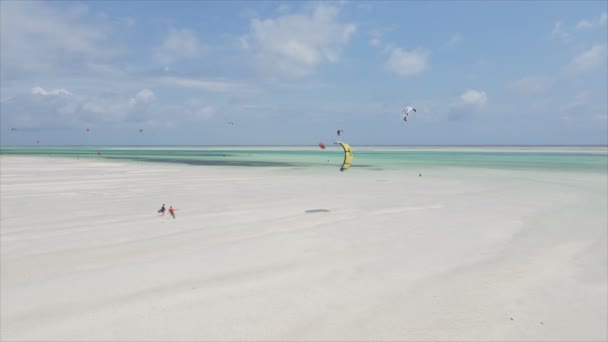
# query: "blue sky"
{"type": "Point", "coordinates": [292, 73]}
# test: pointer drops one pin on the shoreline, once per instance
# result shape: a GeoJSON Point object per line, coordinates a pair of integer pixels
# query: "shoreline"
{"type": "Point", "coordinates": [489, 148]}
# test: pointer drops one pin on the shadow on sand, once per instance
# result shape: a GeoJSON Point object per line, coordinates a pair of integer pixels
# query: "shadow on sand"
{"type": "Point", "coordinates": [310, 211]}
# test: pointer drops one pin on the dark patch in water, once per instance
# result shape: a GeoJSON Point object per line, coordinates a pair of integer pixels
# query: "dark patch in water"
{"type": "Point", "coordinates": [381, 180]}
{"type": "Point", "coordinates": [369, 167]}
{"type": "Point", "coordinates": [216, 162]}
{"type": "Point", "coordinates": [310, 211]}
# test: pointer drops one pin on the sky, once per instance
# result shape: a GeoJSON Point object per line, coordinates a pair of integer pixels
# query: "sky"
{"type": "Point", "coordinates": [294, 72]}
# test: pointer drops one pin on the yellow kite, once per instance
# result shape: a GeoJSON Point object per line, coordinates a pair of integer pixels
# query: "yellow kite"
{"type": "Point", "coordinates": [348, 156]}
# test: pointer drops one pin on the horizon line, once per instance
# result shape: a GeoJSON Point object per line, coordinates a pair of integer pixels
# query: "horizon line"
{"type": "Point", "coordinates": [313, 145]}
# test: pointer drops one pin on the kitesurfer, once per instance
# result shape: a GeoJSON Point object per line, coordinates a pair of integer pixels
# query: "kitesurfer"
{"type": "Point", "coordinates": [172, 211]}
{"type": "Point", "coordinates": [162, 210]}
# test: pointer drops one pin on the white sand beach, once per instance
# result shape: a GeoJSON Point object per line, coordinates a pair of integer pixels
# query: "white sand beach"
{"type": "Point", "coordinates": [457, 254]}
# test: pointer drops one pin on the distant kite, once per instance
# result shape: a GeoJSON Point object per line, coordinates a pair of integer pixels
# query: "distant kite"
{"type": "Point", "coordinates": [88, 129]}
{"type": "Point", "coordinates": [406, 111]}
{"type": "Point", "coordinates": [141, 130]}
{"type": "Point", "coordinates": [339, 132]}
{"type": "Point", "coordinates": [322, 145]}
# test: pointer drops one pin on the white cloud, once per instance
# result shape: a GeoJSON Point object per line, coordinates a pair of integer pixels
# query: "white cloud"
{"type": "Point", "coordinates": [142, 97]}
{"type": "Point", "coordinates": [179, 44]}
{"type": "Point", "coordinates": [209, 85]}
{"type": "Point", "coordinates": [582, 104]}
{"type": "Point", "coordinates": [469, 102]}
{"type": "Point", "coordinates": [114, 108]}
{"type": "Point", "coordinates": [474, 97]}
{"type": "Point", "coordinates": [244, 43]}
{"type": "Point", "coordinates": [60, 109]}
{"type": "Point", "coordinates": [45, 111]}
{"type": "Point", "coordinates": [203, 113]}
{"type": "Point", "coordinates": [296, 44]}
{"type": "Point", "coordinates": [103, 108]}
{"type": "Point", "coordinates": [376, 39]}
{"type": "Point", "coordinates": [587, 60]}
{"type": "Point", "coordinates": [56, 92]}
{"type": "Point", "coordinates": [593, 23]}
{"type": "Point", "coordinates": [531, 85]}
{"type": "Point", "coordinates": [35, 38]}
{"type": "Point", "coordinates": [455, 39]}
{"type": "Point", "coordinates": [558, 31]}
{"type": "Point", "coordinates": [194, 110]}
{"type": "Point", "coordinates": [376, 42]}
{"type": "Point", "coordinates": [377, 35]}
{"type": "Point", "coordinates": [408, 63]}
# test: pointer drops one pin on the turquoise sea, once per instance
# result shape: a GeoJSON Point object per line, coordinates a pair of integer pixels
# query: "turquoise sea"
{"type": "Point", "coordinates": [564, 158]}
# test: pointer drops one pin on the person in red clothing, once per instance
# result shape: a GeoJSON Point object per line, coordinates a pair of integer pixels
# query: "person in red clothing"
{"type": "Point", "coordinates": [172, 211]}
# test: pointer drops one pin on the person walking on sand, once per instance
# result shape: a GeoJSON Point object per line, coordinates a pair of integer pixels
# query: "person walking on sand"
{"type": "Point", "coordinates": [172, 211]}
{"type": "Point", "coordinates": [162, 210]}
